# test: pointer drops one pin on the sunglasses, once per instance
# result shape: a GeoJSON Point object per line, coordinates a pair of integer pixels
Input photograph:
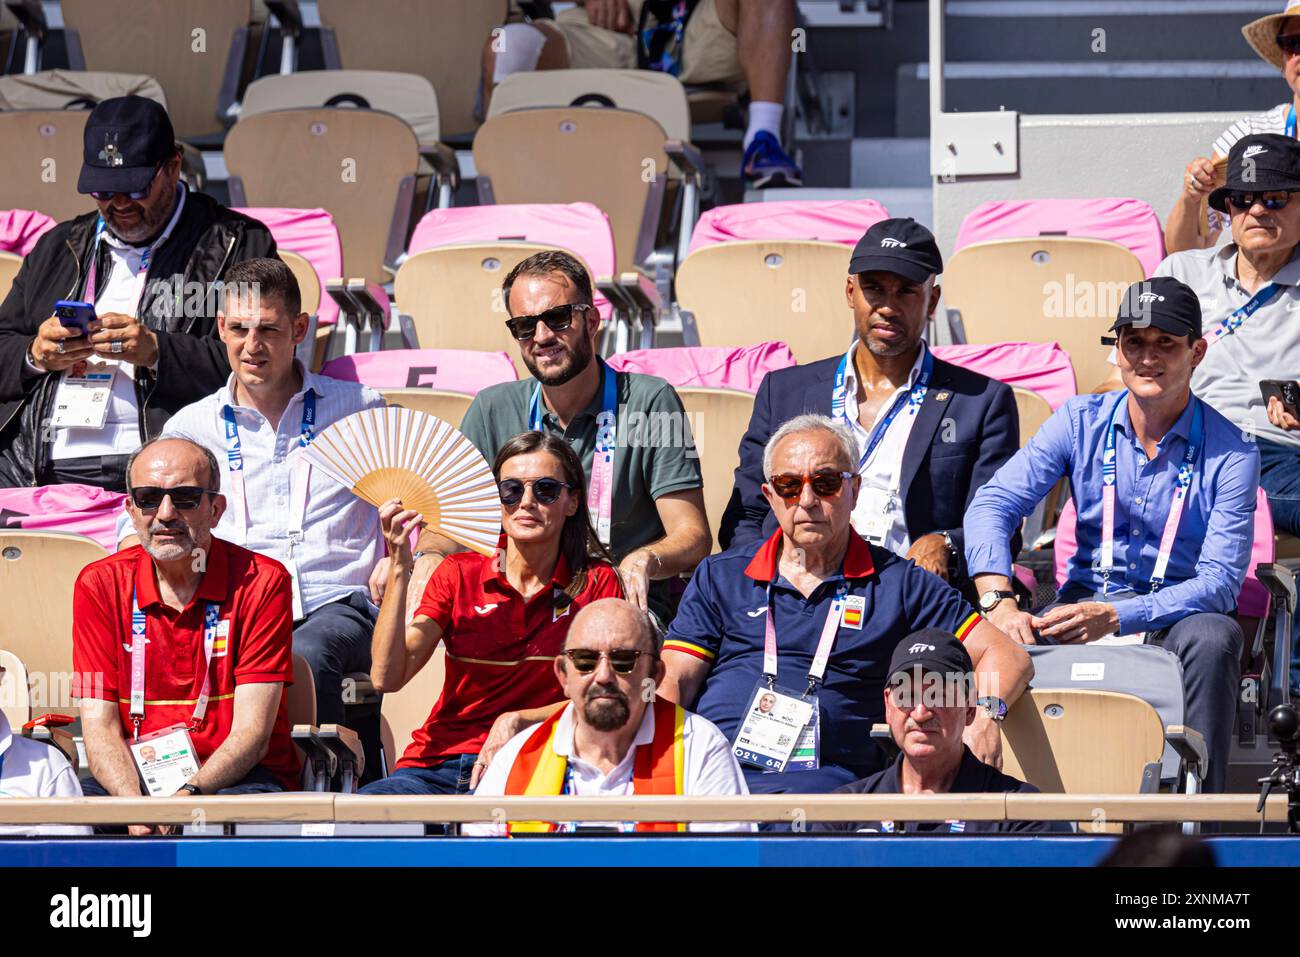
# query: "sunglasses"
{"type": "Point", "coordinates": [545, 490]}
{"type": "Point", "coordinates": [557, 319]}
{"type": "Point", "coordinates": [1272, 201]}
{"type": "Point", "coordinates": [825, 483]}
{"type": "Point", "coordinates": [149, 498]}
{"type": "Point", "coordinates": [585, 661]}
{"type": "Point", "coordinates": [1289, 44]}
{"type": "Point", "coordinates": [102, 195]}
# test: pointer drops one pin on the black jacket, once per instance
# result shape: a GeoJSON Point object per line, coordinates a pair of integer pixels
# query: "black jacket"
{"type": "Point", "coordinates": [965, 430]}
{"type": "Point", "coordinates": [207, 240]}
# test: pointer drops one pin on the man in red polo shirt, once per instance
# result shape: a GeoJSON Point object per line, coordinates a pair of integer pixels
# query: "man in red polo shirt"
{"type": "Point", "coordinates": [188, 633]}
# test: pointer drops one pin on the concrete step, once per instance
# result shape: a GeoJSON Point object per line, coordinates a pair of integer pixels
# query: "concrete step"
{"type": "Point", "coordinates": [1037, 88]}
{"type": "Point", "coordinates": [897, 162]}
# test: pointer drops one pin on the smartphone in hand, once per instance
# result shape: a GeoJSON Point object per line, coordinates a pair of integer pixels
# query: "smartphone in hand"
{"type": "Point", "coordinates": [1287, 392]}
{"type": "Point", "coordinates": [75, 315]}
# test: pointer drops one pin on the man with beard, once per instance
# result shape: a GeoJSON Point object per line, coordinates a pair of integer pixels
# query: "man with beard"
{"type": "Point", "coordinates": [614, 738]}
{"type": "Point", "coordinates": [186, 635]}
{"type": "Point", "coordinates": [74, 405]}
{"type": "Point", "coordinates": [645, 489]}
{"type": "Point", "coordinates": [928, 433]}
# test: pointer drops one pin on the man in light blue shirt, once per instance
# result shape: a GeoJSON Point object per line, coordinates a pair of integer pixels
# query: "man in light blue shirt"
{"type": "Point", "coordinates": [1179, 481]}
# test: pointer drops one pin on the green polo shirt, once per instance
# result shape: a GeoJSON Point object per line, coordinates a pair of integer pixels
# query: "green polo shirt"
{"type": "Point", "coordinates": [655, 453]}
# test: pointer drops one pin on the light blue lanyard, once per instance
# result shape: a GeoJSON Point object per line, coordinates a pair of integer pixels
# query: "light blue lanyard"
{"type": "Point", "coordinates": [1290, 121]}
{"type": "Point", "coordinates": [605, 437]}
{"type": "Point", "coordinates": [234, 454]}
{"type": "Point", "coordinates": [1239, 315]}
{"type": "Point", "coordinates": [839, 401]}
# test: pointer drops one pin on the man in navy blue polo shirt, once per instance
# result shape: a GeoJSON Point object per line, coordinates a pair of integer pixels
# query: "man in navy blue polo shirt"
{"type": "Point", "coordinates": [812, 616]}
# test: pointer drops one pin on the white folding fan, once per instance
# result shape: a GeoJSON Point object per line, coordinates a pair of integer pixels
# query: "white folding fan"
{"type": "Point", "coordinates": [399, 453]}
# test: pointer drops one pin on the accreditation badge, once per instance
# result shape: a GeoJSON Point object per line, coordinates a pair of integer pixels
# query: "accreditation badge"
{"type": "Point", "coordinates": [773, 728]}
{"type": "Point", "coordinates": [82, 395]}
{"type": "Point", "coordinates": [166, 759]}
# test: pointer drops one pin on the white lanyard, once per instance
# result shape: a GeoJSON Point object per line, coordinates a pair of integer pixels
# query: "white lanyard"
{"type": "Point", "coordinates": [914, 398]}
{"type": "Point", "coordinates": [600, 487]}
{"type": "Point", "coordinates": [830, 628]}
{"type": "Point", "coordinates": [139, 626]}
{"type": "Point", "coordinates": [1108, 476]}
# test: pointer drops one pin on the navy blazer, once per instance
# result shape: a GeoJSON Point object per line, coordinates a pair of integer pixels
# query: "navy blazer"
{"type": "Point", "coordinates": [966, 428]}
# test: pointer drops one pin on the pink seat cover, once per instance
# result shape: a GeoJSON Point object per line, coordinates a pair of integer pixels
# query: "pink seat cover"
{"type": "Point", "coordinates": [83, 509]}
{"type": "Point", "coordinates": [449, 370]}
{"type": "Point", "coordinates": [709, 367]}
{"type": "Point", "coordinates": [1042, 367]}
{"type": "Point", "coordinates": [828, 220]}
{"type": "Point", "coordinates": [311, 234]}
{"type": "Point", "coordinates": [20, 228]}
{"type": "Point", "coordinates": [1129, 222]}
{"type": "Point", "coordinates": [581, 228]}
{"type": "Point", "coordinates": [1253, 602]}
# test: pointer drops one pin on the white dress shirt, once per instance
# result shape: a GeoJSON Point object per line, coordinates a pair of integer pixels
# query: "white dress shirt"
{"type": "Point", "coordinates": [710, 768]}
{"type": "Point", "coordinates": [341, 534]}
{"type": "Point", "coordinates": [33, 769]}
{"type": "Point", "coordinates": [878, 513]}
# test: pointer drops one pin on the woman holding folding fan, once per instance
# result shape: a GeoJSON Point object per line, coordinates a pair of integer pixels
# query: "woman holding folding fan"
{"type": "Point", "coordinates": [503, 617]}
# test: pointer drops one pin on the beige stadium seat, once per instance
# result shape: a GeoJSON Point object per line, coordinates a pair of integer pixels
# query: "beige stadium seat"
{"type": "Point", "coordinates": [657, 95]}
{"type": "Point", "coordinates": [40, 152]}
{"type": "Point", "coordinates": [404, 712]}
{"type": "Point", "coordinates": [791, 291]}
{"type": "Point", "coordinates": [718, 418]}
{"type": "Point", "coordinates": [37, 573]}
{"type": "Point", "coordinates": [9, 266]}
{"type": "Point", "coordinates": [442, 40]}
{"type": "Point", "coordinates": [576, 154]}
{"type": "Point", "coordinates": [69, 89]}
{"type": "Point", "coordinates": [309, 289]}
{"type": "Point", "coordinates": [1043, 289]}
{"type": "Point", "coordinates": [358, 164]}
{"type": "Point", "coordinates": [300, 697]}
{"type": "Point", "coordinates": [1033, 410]}
{"type": "Point", "coordinates": [453, 295]}
{"type": "Point", "coordinates": [14, 701]}
{"type": "Point", "coordinates": [448, 406]}
{"type": "Point", "coordinates": [193, 47]}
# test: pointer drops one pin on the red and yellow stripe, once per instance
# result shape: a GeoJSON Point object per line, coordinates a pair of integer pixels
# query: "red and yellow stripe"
{"type": "Point", "coordinates": [676, 644]}
{"type": "Point", "coordinates": [966, 627]}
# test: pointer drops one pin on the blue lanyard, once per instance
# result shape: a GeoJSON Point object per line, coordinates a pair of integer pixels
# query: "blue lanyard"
{"type": "Point", "coordinates": [1290, 121]}
{"type": "Point", "coordinates": [1230, 325]}
{"type": "Point", "coordinates": [605, 436]}
{"type": "Point", "coordinates": [913, 400]}
{"type": "Point", "coordinates": [234, 454]}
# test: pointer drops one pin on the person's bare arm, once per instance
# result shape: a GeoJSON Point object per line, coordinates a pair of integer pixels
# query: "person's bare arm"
{"type": "Point", "coordinates": [686, 542]}
{"type": "Point", "coordinates": [684, 677]}
{"type": "Point", "coordinates": [110, 758]}
{"type": "Point", "coordinates": [1182, 228]}
{"type": "Point", "coordinates": [256, 706]}
{"type": "Point", "coordinates": [1003, 670]}
{"type": "Point", "coordinates": [398, 650]}
{"type": "Point", "coordinates": [506, 726]}
{"type": "Point", "coordinates": [613, 15]}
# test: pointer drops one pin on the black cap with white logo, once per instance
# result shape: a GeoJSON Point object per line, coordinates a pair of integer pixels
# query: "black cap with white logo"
{"type": "Point", "coordinates": [901, 246]}
{"type": "Point", "coordinates": [1259, 163]}
{"type": "Point", "coordinates": [930, 649]}
{"type": "Point", "coordinates": [126, 138]}
{"type": "Point", "coordinates": [1162, 302]}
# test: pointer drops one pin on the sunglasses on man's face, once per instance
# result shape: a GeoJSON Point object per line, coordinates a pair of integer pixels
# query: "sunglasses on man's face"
{"type": "Point", "coordinates": [557, 319]}
{"type": "Point", "coordinates": [1289, 44]}
{"type": "Point", "coordinates": [545, 490]}
{"type": "Point", "coordinates": [149, 498]}
{"type": "Point", "coordinates": [586, 661]}
{"type": "Point", "coordinates": [1271, 201]}
{"type": "Point", "coordinates": [825, 483]}
{"type": "Point", "coordinates": [101, 195]}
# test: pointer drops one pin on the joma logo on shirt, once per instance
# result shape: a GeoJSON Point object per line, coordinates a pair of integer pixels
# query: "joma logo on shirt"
{"type": "Point", "coordinates": [73, 910]}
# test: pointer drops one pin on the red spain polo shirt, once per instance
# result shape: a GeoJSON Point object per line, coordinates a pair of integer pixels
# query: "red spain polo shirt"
{"type": "Point", "coordinates": [254, 595]}
{"type": "Point", "coordinates": [500, 648]}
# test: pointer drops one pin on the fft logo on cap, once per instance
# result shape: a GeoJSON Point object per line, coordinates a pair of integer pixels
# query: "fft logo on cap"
{"type": "Point", "coordinates": [890, 243]}
{"type": "Point", "coordinates": [919, 647]}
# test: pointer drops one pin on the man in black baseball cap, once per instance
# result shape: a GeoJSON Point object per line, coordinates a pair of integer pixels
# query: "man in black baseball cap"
{"type": "Point", "coordinates": [74, 404]}
{"type": "Point", "coordinates": [929, 433]}
{"type": "Point", "coordinates": [930, 698]}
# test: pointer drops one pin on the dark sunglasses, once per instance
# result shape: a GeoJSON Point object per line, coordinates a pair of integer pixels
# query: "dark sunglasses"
{"type": "Point", "coordinates": [585, 661]}
{"type": "Point", "coordinates": [149, 498]}
{"type": "Point", "coordinates": [1289, 44]}
{"type": "Point", "coordinates": [1272, 201]}
{"type": "Point", "coordinates": [101, 195]}
{"type": "Point", "coordinates": [557, 319]}
{"type": "Point", "coordinates": [545, 490]}
{"type": "Point", "coordinates": [824, 484]}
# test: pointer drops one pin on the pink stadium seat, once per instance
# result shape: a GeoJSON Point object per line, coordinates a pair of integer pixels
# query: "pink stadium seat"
{"type": "Point", "coordinates": [1129, 222]}
{"type": "Point", "coordinates": [580, 228]}
{"type": "Point", "coordinates": [311, 234]}
{"type": "Point", "coordinates": [82, 509]}
{"type": "Point", "coordinates": [20, 228]}
{"type": "Point", "coordinates": [708, 367]}
{"type": "Point", "coordinates": [831, 221]}
{"type": "Point", "coordinates": [449, 370]}
{"type": "Point", "coordinates": [1041, 367]}
{"type": "Point", "coordinates": [1253, 601]}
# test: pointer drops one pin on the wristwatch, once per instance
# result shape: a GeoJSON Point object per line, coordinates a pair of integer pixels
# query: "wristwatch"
{"type": "Point", "coordinates": [194, 788]}
{"type": "Point", "coordinates": [989, 600]}
{"type": "Point", "coordinates": [994, 708]}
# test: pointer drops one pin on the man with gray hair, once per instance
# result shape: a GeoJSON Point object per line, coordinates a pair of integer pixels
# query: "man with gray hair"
{"type": "Point", "coordinates": [191, 637]}
{"type": "Point", "coordinates": [811, 616]}
{"type": "Point", "coordinates": [615, 737]}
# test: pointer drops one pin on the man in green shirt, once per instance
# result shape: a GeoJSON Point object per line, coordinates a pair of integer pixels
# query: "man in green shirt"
{"type": "Point", "coordinates": [653, 520]}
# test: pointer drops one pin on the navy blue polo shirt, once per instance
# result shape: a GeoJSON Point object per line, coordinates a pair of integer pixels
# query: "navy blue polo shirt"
{"type": "Point", "coordinates": [721, 621]}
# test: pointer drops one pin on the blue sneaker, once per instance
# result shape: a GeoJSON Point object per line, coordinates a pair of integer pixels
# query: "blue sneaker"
{"type": "Point", "coordinates": [766, 164]}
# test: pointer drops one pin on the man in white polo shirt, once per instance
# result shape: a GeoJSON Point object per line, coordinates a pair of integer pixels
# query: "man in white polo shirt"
{"type": "Point", "coordinates": [258, 424]}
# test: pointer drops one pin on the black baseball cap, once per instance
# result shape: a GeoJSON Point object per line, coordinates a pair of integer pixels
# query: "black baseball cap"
{"type": "Point", "coordinates": [1260, 163]}
{"type": "Point", "coordinates": [930, 649]}
{"type": "Point", "coordinates": [901, 246]}
{"type": "Point", "coordinates": [1163, 302]}
{"type": "Point", "coordinates": [126, 138]}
